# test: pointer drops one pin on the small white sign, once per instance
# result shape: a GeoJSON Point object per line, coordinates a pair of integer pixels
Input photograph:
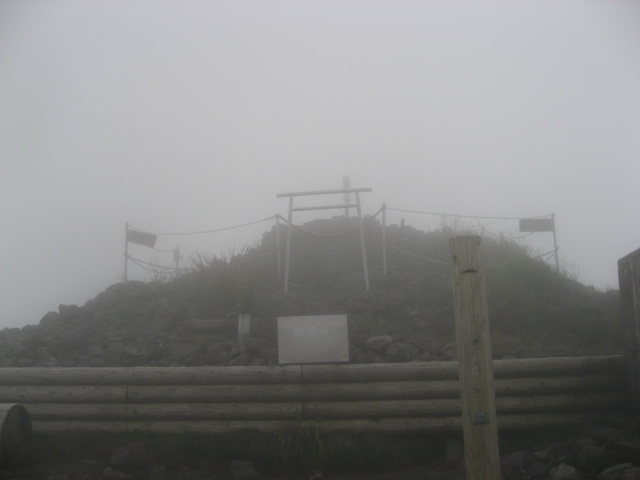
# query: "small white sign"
{"type": "Point", "coordinates": [313, 339]}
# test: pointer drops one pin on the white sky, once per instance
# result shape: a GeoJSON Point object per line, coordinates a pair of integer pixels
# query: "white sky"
{"type": "Point", "coordinates": [181, 116]}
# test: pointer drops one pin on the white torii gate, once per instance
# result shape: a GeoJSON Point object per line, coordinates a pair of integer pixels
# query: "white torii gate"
{"type": "Point", "coordinates": [325, 207]}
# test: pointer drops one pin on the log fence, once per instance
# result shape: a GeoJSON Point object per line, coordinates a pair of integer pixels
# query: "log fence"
{"type": "Point", "coordinates": [386, 398]}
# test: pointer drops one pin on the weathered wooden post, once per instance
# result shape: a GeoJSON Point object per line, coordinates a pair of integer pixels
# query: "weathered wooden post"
{"type": "Point", "coordinates": [629, 282]}
{"type": "Point", "coordinates": [479, 424]}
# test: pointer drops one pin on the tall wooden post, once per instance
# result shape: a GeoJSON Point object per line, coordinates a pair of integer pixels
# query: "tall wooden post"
{"type": "Point", "coordinates": [629, 281]}
{"type": "Point", "coordinates": [479, 423]}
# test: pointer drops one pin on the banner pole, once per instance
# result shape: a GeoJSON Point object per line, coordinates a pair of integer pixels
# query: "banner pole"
{"type": "Point", "coordinates": [126, 249]}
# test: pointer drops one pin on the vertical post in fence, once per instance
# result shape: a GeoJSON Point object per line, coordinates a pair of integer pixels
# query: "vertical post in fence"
{"type": "Point", "coordinates": [479, 423]}
{"type": "Point", "coordinates": [364, 253]}
{"type": "Point", "coordinates": [278, 247]}
{"type": "Point", "coordinates": [555, 242]}
{"type": "Point", "coordinates": [126, 249]}
{"type": "Point", "coordinates": [347, 195]}
{"type": "Point", "coordinates": [384, 238]}
{"type": "Point", "coordinates": [287, 253]}
{"type": "Point", "coordinates": [629, 282]}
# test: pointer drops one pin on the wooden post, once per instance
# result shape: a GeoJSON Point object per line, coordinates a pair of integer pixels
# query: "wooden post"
{"type": "Point", "coordinates": [629, 282]}
{"type": "Point", "coordinates": [479, 422]}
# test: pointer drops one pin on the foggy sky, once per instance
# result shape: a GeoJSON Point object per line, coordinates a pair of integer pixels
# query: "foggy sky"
{"type": "Point", "coordinates": [189, 116]}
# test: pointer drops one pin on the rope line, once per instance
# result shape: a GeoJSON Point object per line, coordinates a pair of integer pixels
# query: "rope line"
{"type": "Point", "coordinates": [463, 216]}
{"type": "Point", "coordinates": [417, 256]}
{"type": "Point", "coordinates": [205, 231]}
{"type": "Point", "coordinates": [139, 262]}
{"type": "Point", "coordinates": [337, 235]}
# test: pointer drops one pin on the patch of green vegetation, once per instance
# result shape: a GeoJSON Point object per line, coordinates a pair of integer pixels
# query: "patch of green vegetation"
{"type": "Point", "coordinates": [293, 449]}
{"type": "Point", "coordinates": [528, 298]}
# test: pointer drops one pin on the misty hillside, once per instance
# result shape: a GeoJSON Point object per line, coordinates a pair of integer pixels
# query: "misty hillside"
{"type": "Point", "coordinates": [407, 315]}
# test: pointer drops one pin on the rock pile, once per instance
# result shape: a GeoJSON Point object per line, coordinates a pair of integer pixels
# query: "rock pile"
{"type": "Point", "coordinates": [136, 324]}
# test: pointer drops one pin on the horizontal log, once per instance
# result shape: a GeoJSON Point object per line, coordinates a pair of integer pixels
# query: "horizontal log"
{"type": "Point", "coordinates": [166, 411]}
{"type": "Point", "coordinates": [366, 391]}
{"type": "Point", "coordinates": [414, 371]}
{"type": "Point", "coordinates": [51, 393]}
{"type": "Point", "coordinates": [150, 375]}
{"type": "Point", "coordinates": [452, 407]}
{"type": "Point", "coordinates": [291, 374]}
{"type": "Point", "coordinates": [61, 426]}
{"type": "Point", "coordinates": [317, 410]}
{"type": "Point", "coordinates": [389, 426]}
{"type": "Point", "coordinates": [26, 394]}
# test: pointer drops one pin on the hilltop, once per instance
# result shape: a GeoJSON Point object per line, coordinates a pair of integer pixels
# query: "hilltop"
{"type": "Point", "coordinates": [407, 315]}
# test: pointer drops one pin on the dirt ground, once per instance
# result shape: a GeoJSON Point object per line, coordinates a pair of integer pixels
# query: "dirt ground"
{"type": "Point", "coordinates": [94, 470]}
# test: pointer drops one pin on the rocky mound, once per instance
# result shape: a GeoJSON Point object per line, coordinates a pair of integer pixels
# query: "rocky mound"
{"type": "Point", "coordinates": [407, 314]}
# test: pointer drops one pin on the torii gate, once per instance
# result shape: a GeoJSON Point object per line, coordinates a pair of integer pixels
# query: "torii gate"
{"type": "Point", "coordinates": [325, 207]}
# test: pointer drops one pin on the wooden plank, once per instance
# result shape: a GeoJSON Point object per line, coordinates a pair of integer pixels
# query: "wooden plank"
{"type": "Point", "coordinates": [27, 394]}
{"type": "Point", "coordinates": [389, 426]}
{"type": "Point", "coordinates": [166, 411]}
{"type": "Point", "coordinates": [559, 366]}
{"type": "Point", "coordinates": [452, 407]}
{"type": "Point", "coordinates": [62, 394]}
{"type": "Point", "coordinates": [291, 374]}
{"type": "Point", "coordinates": [480, 429]}
{"type": "Point", "coordinates": [61, 426]}
{"type": "Point", "coordinates": [150, 375]}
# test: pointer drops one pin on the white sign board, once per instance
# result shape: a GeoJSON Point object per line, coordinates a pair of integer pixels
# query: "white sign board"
{"type": "Point", "coordinates": [313, 339]}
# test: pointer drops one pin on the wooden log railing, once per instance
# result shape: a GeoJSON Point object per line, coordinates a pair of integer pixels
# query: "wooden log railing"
{"type": "Point", "coordinates": [392, 398]}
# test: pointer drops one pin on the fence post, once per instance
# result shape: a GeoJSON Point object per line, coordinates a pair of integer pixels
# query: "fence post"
{"type": "Point", "coordinates": [479, 423]}
{"type": "Point", "coordinates": [126, 250]}
{"type": "Point", "coordinates": [629, 282]}
{"type": "Point", "coordinates": [384, 239]}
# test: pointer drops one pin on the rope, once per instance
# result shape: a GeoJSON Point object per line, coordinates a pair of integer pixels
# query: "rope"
{"type": "Point", "coordinates": [141, 263]}
{"type": "Point", "coordinates": [417, 256]}
{"type": "Point", "coordinates": [463, 216]}
{"type": "Point", "coordinates": [206, 231]}
{"type": "Point", "coordinates": [337, 235]}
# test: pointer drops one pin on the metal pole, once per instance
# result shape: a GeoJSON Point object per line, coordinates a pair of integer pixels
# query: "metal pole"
{"type": "Point", "coordinates": [384, 238]}
{"type": "Point", "coordinates": [347, 195]}
{"type": "Point", "coordinates": [287, 253]}
{"type": "Point", "coordinates": [278, 246]}
{"type": "Point", "coordinates": [364, 254]}
{"type": "Point", "coordinates": [126, 249]}
{"type": "Point", "coordinates": [555, 242]}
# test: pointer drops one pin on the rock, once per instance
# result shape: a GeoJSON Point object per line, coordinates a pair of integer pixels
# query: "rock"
{"type": "Point", "coordinates": [603, 434]}
{"type": "Point", "coordinates": [182, 350]}
{"type": "Point", "coordinates": [564, 472]}
{"type": "Point", "coordinates": [240, 360]}
{"type": "Point", "coordinates": [615, 472]}
{"type": "Point", "coordinates": [538, 469]}
{"type": "Point", "coordinates": [242, 470]}
{"type": "Point", "coordinates": [520, 460]}
{"type": "Point", "coordinates": [628, 449]}
{"type": "Point", "coordinates": [114, 352]}
{"type": "Point", "coordinates": [631, 474]}
{"type": "Point", "coordinates": [379, 344]}
{"type": "Point", "coordinates": [205, 325]}
{"type": "Point", "coordinates": [133, 456]}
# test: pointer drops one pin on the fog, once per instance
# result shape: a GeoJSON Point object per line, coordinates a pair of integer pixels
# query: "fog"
{"type": "Point", "coordinates": [191, 116]}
